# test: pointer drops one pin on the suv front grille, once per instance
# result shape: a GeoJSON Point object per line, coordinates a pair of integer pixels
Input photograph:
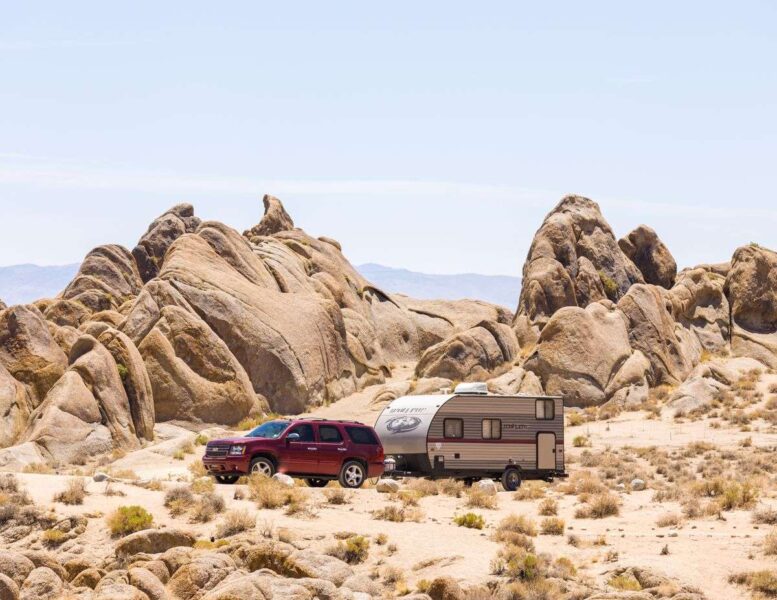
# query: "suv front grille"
{"type": "Point", "coordinates": [217, 450]}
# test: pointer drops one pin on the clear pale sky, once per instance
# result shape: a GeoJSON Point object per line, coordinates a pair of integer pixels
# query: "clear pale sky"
{"type": "Point", "coordinates": [433, 136]}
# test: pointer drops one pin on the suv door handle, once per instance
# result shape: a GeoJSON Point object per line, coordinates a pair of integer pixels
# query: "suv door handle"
{"type": "Point", "coordinates": [312, 448]}
{"type": "Point", "coordinates": [342, 449]}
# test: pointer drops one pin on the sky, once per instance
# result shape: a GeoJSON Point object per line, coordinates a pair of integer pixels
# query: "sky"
{"type": "Point", "coordinates": [432, 136]}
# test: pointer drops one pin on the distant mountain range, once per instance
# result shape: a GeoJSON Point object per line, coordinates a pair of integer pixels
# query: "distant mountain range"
{"type": "Point", "coordinates": [20, 284]}
{"type": "Point", "coordinates": [498, 289]}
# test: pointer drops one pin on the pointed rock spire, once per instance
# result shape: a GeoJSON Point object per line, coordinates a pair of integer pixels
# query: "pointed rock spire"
{"type": "Point", "coordinates": [275, 219]}
{"type": "Point", "coordinates": [151, 249]}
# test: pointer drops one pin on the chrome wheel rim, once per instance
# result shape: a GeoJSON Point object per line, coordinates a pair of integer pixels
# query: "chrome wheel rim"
{"type": "Point", "coordinates": [263, 468]}
{"type": "Point", "coordinates": [353, 475]}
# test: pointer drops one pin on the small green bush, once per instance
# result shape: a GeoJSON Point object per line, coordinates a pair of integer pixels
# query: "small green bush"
{"type": "Point", "coordinates": [129, 519]}
{"type": "Point", "coordinates": [354, 550]}
{"type": "Point", "coordinates": [470, 521]}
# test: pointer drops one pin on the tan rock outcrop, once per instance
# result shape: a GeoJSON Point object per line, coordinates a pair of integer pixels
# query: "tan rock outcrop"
{"type": "Point", "coordinates": [275, 219]}
{"type": "Point", "coordinates": [585, 356]}
{"type": "Point", "coordinates": [153, 541]}
{"type": "Point", "coordinates": [150, 252]}
{"type": "Point", "coordinates": [751, 287]}
{"type": "Point", "coordinates": [650, 255]}
{"type": "Point", "coordinates": [672, 350]}
{"type": "Point", "coordinates": [87, 411]}
{"type": "Point", "coordinates": [472, 355]}
{"type": "Point", "coordinates": [555, 276]}
{"type": "Point", "coordinates": [699, 304]}
{"type": "Point", "coordinates": [107, 278]}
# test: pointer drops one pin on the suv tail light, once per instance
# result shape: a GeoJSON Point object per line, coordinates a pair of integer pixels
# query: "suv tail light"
{"type": "Point", "coordinates": [381, 454]}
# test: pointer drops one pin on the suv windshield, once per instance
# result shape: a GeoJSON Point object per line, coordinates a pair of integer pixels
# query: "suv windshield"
{"type": "Point", "coordinates": [270, 430]}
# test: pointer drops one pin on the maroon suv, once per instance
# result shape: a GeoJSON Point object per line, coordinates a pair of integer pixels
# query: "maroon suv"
{"type": "Point", "coordinates": [314, 449]}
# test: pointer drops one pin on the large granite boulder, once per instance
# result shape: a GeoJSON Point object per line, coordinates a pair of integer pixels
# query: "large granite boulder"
{"type": "Point", "coordinates": [671, 349]}
{"type": "Point", "coordinates": [108, 277]}
{"type": "Point", "coordinates": [472, 355]}
{"type": "Point", "coordinates": [699, 304]}
{"type": "Point", "coordinates": [585, 356]}
{"type": "Point", "coordinates": [150, 252]}
{"type": "Point", "coordinates": [651, 256]}
{"type": "Point", "coordinates": [751, 287]}
{"type": "Point", "coordinates": [574, 260]}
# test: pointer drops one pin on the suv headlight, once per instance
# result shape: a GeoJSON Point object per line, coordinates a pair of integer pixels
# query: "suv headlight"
{"type": "Point", "coordinates": [237, 450]}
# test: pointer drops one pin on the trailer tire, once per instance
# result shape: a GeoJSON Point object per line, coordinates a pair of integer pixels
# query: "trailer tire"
{"type": "Point", "coordinates": [511, 479]}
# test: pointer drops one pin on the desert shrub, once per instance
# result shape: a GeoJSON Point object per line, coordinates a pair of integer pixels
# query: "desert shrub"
{"type": "Point", "coordinates": [180, 494]}
{"type": "Point", "coordinates": [197, 469]}
{"type": "Point", "coordinates": [129, 519]}
{"type": "Point", "coordinates": [234, 522]}
{"type": "Point", "coordinates": [250, 423]}
{"type": "Point", "coordinates": [512, 524]}
{"type": "Point", "coordinates": [765, 515]}
{"type": "Point", "coordinates": [669, 520]}
{"type": "Point", "coordinates": [609, 286]}
{"type": "Point", "coordinates": [39, 468]}
{"type": "Point", "coordinates": [583, 482]}
{"type": "Point", "coordinates": [599, 507]}
{"type": "Point", "coordinates": [580, 441]}
{"type": "Point", "coordinates": [548, 507]}
{"type": "Point", "coordinates": [515, 562]}
{"type": "Point", "coordinates": [74, 492]}
{"type": "Point", "coordinates": [354, 550]}
{"type": "Point", "coordinates": [201, 440]}
{"type": "Point", "coordinates": [770, 543]}
{"type": "Point", "coordinates": [764, 582]}
{"type": "Point", "coordinates": [423, 487]}
{"type": "Point", "coordinates": [530, 490]}
{"type": "Point", "coordinates": [53, 537]}
{"type": "Point", "coordinates": [451, 487]}
{"type": "Point", "coordinates": [337, 496]}
{"type": "Point", "coordinates": [392, 512]}
{"type": "Point", "coordinates": [271, 494]}
{"type": "Point", "coordinates": [552, 526]}
{"type": "Point", "coordinates": [179, 454]}
{"type": "Point", "coordinates": [575, 418]}
{"type": "Point", "coordinates": [478, 498]}
{"type": "Point", "coordinates": [625, 582]}
{"type": "Point", "coordinates": [208, 506]}
{"type": "Point", "coordinates": [470, 520]}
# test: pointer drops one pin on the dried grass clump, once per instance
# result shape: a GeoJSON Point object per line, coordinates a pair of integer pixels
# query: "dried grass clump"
{"type": "Point", "coordinates": [396, 514]}
{"type": "Point", "coordinates": [203, 485]}
{"type": "Point", "coordinates": [764, 582]}
{"type": "Point", "coordinates": [552, 526]}
{"type": "Point", "coordinates": [451, 487]}
{"type": "Point", "coordinates": [179, 499]}
{"type": "Point", "coordinates": [513, 524]}
{"type": "Point", "coordinates": [423, 487]}
{"type": "Point", "coordinates": [518, 563]}
{"type": "Point", "coordinates": [599, 507]}
{"type": "Point", "coordinates": [548, 508]}
{"type": "Point", "coordinates": [234, 522]}
{"type": "Point", "coordinates": [669, 520]}
{"type": "Point", "coordinates": [337, 496]}
{"type": "Point", "coordinates": [74, 492]}
{"type": "Point", "coordinates": [208, 505]}
{"type": "Point", "coordinates": [583, 482]}
{"type": "Point", "coordinates": [531, 490]}
{"type": "Point", "coordinates": [765, 515]}
{"type": "Point", "coordinates": [271, 494]}
{"type": "Point", "coordinates": [625, 582]}
{"type": "Point", "coordinates": [770, 543]}
{"type": "Point", "coordinates": [354, 550]}
{"type": "Point", "coordinates": [478, 498]}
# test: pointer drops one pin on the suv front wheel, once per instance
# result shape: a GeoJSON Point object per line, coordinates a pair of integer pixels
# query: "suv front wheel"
{"type": "Point", "coordinates": [352, 475]}
{"type": "Point", "coordinates": [262, 466]}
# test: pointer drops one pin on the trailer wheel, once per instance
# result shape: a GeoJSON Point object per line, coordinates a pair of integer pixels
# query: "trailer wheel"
{"type": "Point", "coordinates": [511, 479]}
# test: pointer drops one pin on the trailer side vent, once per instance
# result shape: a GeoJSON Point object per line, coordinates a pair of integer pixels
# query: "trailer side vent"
{"type": "Point", "coordinates": [472, 388]}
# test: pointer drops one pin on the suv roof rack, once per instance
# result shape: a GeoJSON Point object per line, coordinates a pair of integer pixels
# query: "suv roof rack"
{"type": "Point", "coordinates": [330, 420]}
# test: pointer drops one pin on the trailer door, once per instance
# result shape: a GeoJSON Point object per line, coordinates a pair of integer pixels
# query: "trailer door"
{"type": "Point", "coordinates": [546, 451]}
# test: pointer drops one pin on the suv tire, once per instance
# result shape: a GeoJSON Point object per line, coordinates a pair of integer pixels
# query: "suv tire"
{"type": "Point", "coordinates": [316, 483]}
{"type": "Point", "coordinates": [263, 466]}
{"type": "Point", "coordinates": [352, 475]}
{"type": "Point", "coordinates": [511, 479]}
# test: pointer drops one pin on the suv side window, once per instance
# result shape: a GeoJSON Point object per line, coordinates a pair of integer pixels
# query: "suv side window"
{"type": "Point", "coordinates": [305, 432]}
{"type": "Point", "coordinates": [361, 435]}
{"type": "Point", "coordinates": [329, 434]}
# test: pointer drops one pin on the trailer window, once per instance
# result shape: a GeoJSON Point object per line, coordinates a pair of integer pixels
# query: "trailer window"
{"type": "Point", "coordinates": [546, 410]}
{"type": "Point", "coordinates": [492, 429]}
{"type": "Point", "coordinates": [453, 428]}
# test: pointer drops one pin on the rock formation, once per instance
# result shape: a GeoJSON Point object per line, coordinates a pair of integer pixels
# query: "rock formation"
{"type": "Point", "coordinates": [275, 219]}
{"type": "Point", "coordinates": [751, 286]}
{"type": "Point", "coordinates": [574, 260]}
{"type": "Point", "coordinates": [152, 247]}
{"type": "Point", "coordinates": [651, 256]}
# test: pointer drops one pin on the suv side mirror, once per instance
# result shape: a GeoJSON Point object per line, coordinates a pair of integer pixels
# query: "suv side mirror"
{"type": "Point", "coordinates": [292, 437]}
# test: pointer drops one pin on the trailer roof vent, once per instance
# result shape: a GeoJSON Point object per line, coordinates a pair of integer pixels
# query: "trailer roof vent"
{"type": "Point", "coordinates": [471, 388]}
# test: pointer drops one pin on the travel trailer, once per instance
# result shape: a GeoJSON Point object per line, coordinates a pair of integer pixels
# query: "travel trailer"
{"type": "Point", "coordinates": [471, 434]}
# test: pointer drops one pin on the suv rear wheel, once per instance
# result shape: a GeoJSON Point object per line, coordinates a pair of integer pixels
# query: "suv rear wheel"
{"type": "Point", "coordinates": [316, 483]}
{"type": "Point", "coordinates": [352, 475]}
{"type": "Point", "coordinates": [262, 465]}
